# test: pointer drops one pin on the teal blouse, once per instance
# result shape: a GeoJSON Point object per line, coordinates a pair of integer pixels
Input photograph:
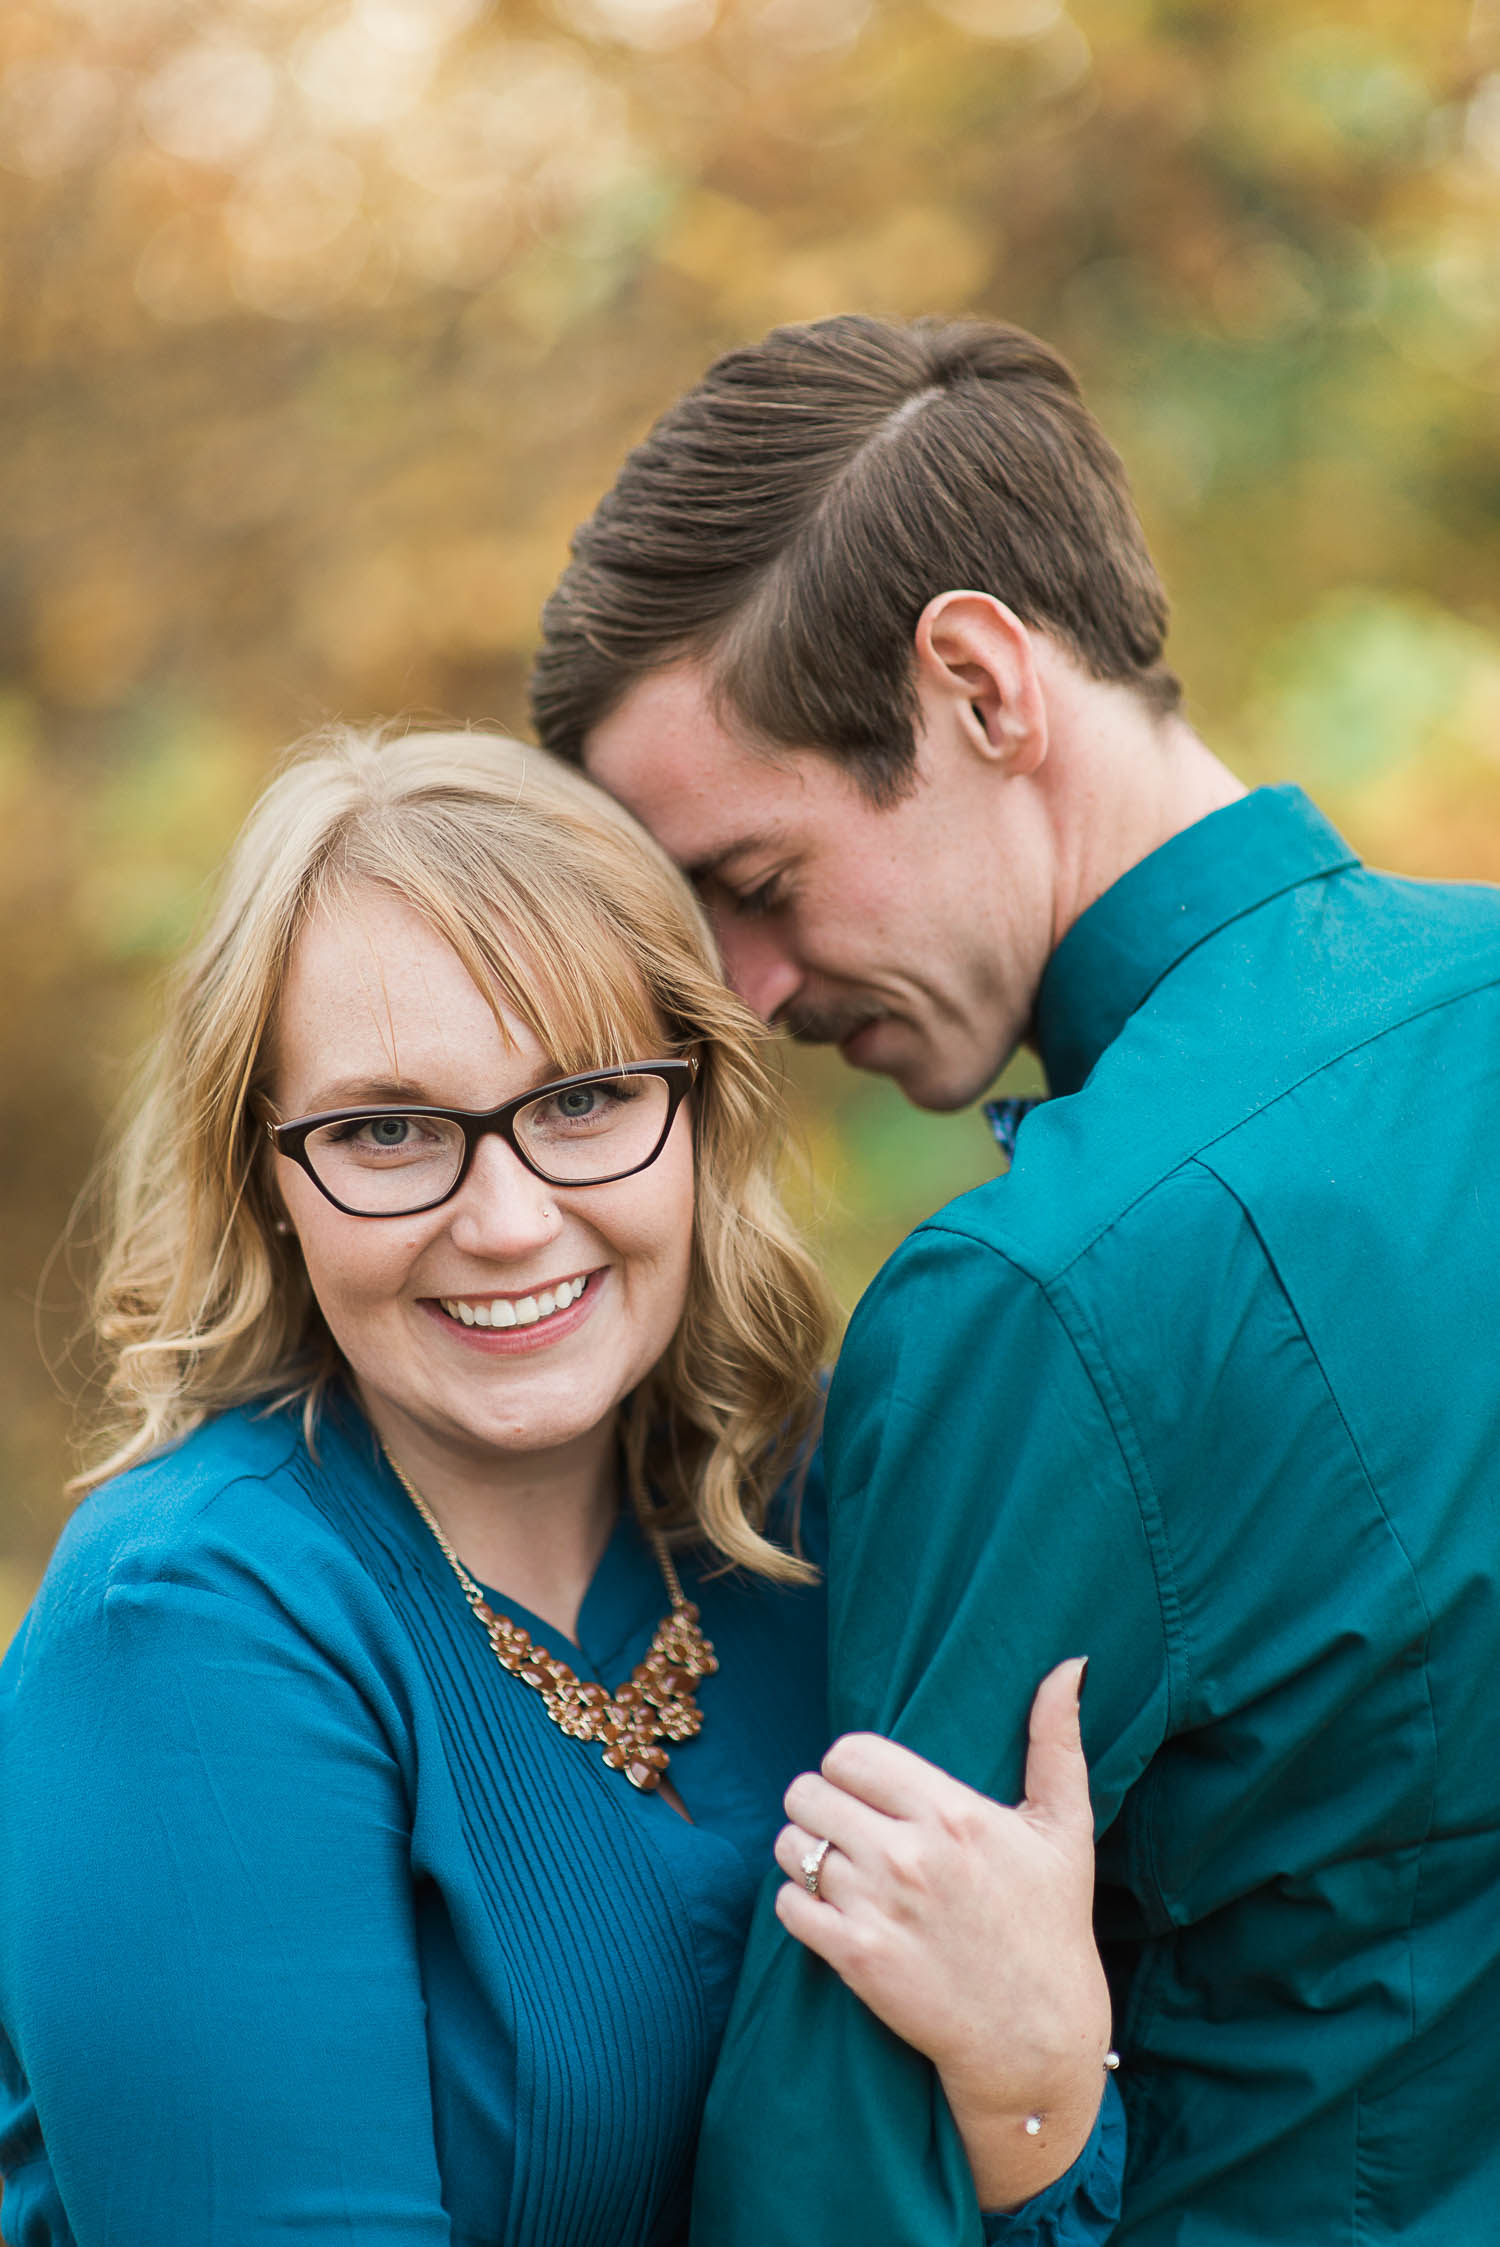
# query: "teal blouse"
{"type": "Point", "coordinates": [1207, 1388]}
{"type": "Point", "coordinates": [313, 1926]}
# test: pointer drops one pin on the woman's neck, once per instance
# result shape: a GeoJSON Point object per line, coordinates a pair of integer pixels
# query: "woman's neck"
{"type": "Point", "coordinates": [533, 1527]}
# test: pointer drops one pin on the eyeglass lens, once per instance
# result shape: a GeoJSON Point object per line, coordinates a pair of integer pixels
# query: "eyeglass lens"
{"type": "Point", "coordinates": [385, 1165]}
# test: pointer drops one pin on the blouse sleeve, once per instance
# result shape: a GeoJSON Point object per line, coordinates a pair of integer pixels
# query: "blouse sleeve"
{"type": "Point", "coordinates": [208, 1968]}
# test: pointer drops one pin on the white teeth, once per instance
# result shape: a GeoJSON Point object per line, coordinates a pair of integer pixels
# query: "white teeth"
{"type": "Point", "coordinates": [525, 1310]}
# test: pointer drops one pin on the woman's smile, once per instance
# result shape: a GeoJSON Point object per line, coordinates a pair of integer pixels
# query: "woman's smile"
{"type": "Point", "coordinates": [529, 1320]}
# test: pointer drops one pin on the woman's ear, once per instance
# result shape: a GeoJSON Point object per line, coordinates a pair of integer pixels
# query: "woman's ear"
{"type": "Point", "coordinates": [976, 667]}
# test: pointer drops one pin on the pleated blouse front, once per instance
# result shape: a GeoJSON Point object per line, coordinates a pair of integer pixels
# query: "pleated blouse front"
{"type": "Point", "coordinates": [312, 1924]}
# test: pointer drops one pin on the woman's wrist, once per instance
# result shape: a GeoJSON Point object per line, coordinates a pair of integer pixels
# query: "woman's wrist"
{"type": "Point", "coordinates": [1015, 2151]}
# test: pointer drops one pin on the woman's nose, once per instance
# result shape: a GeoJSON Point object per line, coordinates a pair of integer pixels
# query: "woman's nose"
{"type": "Point", "coordinates": [503, 1209]}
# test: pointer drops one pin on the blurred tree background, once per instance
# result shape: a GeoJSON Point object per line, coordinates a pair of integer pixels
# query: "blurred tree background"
{"type": "Point", "coordinates": [325, 320]}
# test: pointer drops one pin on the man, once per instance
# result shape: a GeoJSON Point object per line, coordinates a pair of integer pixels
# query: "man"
{"type": "Point", "coordinates": [1206, 1387]}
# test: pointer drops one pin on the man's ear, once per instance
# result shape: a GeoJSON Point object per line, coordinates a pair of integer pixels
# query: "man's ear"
{"type": "Point", "coordinates": [976, 672]}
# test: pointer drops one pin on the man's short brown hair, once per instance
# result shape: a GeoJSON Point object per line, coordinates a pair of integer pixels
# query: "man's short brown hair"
{"type": "Point", "coordinates": [789, 519]}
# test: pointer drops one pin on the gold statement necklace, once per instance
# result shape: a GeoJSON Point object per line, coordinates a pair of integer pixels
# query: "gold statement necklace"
{"type": "Point", "coordinates": [657, 1703]}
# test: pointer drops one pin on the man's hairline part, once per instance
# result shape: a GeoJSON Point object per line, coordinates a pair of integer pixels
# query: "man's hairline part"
{"type": "Point", "coordinates": [882, 790]}
{"type": "Point", "coordinates": [708, 649]}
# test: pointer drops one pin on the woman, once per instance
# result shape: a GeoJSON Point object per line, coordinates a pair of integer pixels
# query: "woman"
{"type": "Point", "coordinates": [383, 1815]}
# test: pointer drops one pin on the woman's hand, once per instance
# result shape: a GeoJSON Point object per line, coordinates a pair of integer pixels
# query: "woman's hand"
{"type": "Point", "coordinates": [968, 1929]}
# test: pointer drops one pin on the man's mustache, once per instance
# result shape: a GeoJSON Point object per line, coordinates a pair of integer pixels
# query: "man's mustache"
{"type": "Point", "coordinates": [811, 1024]}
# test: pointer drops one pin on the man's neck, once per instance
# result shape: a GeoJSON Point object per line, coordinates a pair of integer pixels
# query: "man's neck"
{"type": "Point", "coordinates": [1124, 781]}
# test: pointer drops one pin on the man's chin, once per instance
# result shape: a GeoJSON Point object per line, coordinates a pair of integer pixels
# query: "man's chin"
{"type": "Point", "coordinates": [861, 1047]}
{"type": "Point", "coordinates": [883, 1045]}
{"type": "Point", "coordinates": [886, 1047]}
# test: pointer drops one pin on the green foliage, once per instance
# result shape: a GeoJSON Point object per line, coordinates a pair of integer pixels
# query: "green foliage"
{"type": "Point", "coordinates": [1368, 684]}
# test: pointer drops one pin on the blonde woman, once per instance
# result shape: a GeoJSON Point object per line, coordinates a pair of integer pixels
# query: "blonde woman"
{"type": "Point", "coordinates": [397, 1743]}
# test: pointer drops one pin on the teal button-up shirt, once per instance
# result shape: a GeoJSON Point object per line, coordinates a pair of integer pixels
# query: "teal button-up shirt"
{"type": "Point", "coordinates": [1207, 1388]}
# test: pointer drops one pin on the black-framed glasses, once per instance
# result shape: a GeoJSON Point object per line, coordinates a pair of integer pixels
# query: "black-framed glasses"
{"type": "Point", "coordinates": [394, 1161]}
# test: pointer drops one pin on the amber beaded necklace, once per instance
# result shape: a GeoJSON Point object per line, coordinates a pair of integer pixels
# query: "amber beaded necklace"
{"type": "Point", "coordinates": [657, 1703]}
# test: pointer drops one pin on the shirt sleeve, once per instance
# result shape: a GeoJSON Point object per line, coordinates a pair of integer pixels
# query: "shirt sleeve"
{"type": "Point", "coordinates": [210, 1973]}
{"type": "Point", "coordinates": [986, 1522]}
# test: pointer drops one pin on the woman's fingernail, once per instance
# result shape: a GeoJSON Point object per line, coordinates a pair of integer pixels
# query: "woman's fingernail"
{"type": "Point", "coordinates": [1083, 1673]}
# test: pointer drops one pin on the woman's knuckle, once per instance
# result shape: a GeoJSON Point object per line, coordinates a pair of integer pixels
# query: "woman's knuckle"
{"type": "Point", "coordinates": [863, 1943]}
{"type": "Point", "coordinates": [907, 1862]}
{"type": "Point", "coordinates": [843, 1758]}
{"type": "Point", "coordinates": [961, 1822]}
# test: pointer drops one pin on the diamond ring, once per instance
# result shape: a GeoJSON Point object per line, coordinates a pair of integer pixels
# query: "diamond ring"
{"type": "Point", "coordinates": [812, 1865]}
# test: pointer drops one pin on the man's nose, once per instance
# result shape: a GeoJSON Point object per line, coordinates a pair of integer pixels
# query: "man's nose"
{"type": "Point", "coordinates": [503, 1210]}
{"type": "Point", "coordinates": [760, 965]}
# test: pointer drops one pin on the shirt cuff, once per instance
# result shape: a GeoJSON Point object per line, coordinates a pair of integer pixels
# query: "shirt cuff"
{"type": "Point", "coordinates": [1083, 2206]}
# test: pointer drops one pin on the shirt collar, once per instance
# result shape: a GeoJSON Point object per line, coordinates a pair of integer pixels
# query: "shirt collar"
{"type": "Point", "coordinates": [1116, 953]}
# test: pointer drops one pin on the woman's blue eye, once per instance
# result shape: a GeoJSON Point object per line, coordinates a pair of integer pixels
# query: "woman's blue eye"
{"type": "Point", "coordinates": [599, 1105]}
{"type": "Point", "coordinates": [385, 1133]}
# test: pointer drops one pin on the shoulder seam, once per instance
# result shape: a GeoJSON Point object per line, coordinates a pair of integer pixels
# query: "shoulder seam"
{"type": "Point", "coordinates": [1004, 1245]}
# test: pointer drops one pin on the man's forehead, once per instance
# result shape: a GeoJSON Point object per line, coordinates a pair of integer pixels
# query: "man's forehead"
{"type": "Point", "coordinates": [666, 753]}
{"type": "Point", "coordinates": [670, 716]}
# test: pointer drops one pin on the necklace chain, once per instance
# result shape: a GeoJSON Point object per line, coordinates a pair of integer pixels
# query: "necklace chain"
{"type": "Point", "coordinates": [631, 1723]}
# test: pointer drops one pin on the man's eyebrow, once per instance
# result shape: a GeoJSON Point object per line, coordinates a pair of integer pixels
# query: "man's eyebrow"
{"type": "Point", "coordinates": [704, 869]}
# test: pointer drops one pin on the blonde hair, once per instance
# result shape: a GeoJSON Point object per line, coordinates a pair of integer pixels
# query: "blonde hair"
{"type": "Point", "coordinates": [566, 912]}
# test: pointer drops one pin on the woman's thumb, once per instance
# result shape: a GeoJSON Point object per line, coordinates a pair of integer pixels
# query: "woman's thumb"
{"type": "Point", "coordinates": [1057, 1777]}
